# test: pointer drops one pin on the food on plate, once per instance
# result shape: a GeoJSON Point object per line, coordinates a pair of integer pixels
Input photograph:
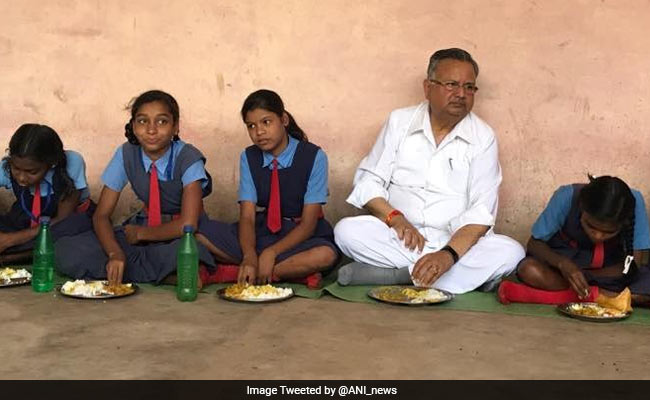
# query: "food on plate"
{"type": "Point", "coordinates": [594, 310]}
{"type": "Point", "coordinates": [257, 292]}
{"type": "Point", "coordinates": [622, 302]}
{"type": "Point", "coordinates": [95, 288]}
{"type": "Point", "coordinates": [8, 274]}
{"type": "Point", "coordinates": [411, 295]}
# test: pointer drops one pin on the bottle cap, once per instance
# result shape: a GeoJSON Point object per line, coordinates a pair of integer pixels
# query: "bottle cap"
{"type": "Point", "coordinates": [44, 220]}
{"type": "Point", "coordinates": [188, 229]}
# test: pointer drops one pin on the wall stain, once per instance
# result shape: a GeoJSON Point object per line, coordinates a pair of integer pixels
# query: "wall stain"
{"type": "Point", "coordinates": [582, 106]}
{"type": "Point", "coordinates": [472, 44]}
{"type": "Point", "coordinates": [78, 32]}
{"type": "Point", "coordinates": [5, 46]}
{"type": "Point", "coordinates": [60, 94]}
{"type": "Point", "coordinates": [220, 84]}
{"type": "Point", "coordinates": [32, 106]}
{"type": "Point", "coordinates": [547, 70]}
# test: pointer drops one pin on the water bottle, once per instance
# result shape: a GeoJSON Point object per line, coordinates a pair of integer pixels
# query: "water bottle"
{"type": "Point", "coordinates": [187, 266]}
{"type": "Point", "coordinates": [43, 267]}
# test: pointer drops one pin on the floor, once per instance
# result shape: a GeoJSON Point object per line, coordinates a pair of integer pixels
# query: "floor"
{"type": "Point", "coordinates": [152, 335]}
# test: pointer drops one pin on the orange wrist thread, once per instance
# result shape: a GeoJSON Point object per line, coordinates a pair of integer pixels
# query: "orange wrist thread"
{"type": "Point", "coordinates": [392, 214]}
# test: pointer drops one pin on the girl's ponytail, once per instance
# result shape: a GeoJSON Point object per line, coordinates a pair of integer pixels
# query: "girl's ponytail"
{"type": "Point", "coordinates": [61, 172]}
{"type": "Point", "coordinates": [294, 130]}
{"type": "Point", "coordinates": [128, 132]}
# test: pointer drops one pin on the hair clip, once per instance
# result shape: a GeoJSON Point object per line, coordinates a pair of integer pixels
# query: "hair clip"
{"type": "Point", "coordinates": [628, 262]}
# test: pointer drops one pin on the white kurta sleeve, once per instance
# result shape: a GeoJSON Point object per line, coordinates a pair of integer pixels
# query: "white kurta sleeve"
{"type": "Point", "coordinates": [483, 189]}
{"type": "Point", "coordinates": [372, 177]}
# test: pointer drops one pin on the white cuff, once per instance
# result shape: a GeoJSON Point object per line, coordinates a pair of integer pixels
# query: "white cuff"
{"type": "Point", "coordinates": [477, 215]}
{"type": "Point", "coordinates": [364, 191]}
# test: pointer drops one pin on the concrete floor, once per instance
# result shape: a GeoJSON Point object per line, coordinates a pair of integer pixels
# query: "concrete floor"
{"type": "Point", "coordinates": [151, 335]}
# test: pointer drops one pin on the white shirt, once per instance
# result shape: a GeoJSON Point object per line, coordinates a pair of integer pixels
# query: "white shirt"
{"type": "Point", "coordinates": [438, 188]}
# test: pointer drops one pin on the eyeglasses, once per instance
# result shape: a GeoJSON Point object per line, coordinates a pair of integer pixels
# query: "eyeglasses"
{"type": "Point", "coordinates": [453, 86]}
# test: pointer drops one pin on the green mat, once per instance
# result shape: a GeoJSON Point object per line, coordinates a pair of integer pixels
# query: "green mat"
{"type": "Point", "coordinates": [476, 301]}
{"type": "Point", "coordinates": [473, 301]}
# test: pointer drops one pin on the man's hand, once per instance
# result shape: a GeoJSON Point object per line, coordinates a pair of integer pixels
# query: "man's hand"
{"type": "Point", "coordinates": [572, 273]}
{"type": "Point", "coordinates": [407, 232]}
{"type": "Point", "coordinates": [430, 267]}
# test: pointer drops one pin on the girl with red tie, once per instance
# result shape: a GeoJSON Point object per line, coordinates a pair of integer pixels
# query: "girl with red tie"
{"type": "Point", "coordinates": [591, 237]}
{"type": "Point", "coordinates": [46, 180]}
{"type": "Point", "coordinates": [168, 176]}
{"type": "Point", "coordinates": [281, 234]}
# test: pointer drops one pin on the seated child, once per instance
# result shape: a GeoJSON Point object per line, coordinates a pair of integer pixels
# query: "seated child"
{"type": "Point", "coordinates": [590, 239]}
{"type": "Point", "coordinates": [46, 180]}
{"type": "Point", "coordinates": [281, 234]}
{"type": "Point", "coordinates": [168, 176]}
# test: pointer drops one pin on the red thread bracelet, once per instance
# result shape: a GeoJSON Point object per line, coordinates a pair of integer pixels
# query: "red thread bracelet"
{"type": "Point", "coordinates": [390, 216]}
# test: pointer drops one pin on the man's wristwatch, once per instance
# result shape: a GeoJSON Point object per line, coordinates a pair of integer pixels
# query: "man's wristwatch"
{"type": "Point", "coordinates": [451, 251]}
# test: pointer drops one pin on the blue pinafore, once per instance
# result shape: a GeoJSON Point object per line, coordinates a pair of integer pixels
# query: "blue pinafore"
{"type": "Point", "coordinates": [145, 262]}
{"type": "Point", "coordinates": [293, 186]}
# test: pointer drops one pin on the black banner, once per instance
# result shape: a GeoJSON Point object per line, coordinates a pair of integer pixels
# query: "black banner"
{"type": "Point", "coordinates": [319, 390]}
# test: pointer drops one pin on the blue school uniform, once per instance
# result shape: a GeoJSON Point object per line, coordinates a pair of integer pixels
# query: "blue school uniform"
{"type": "Point", "coordinates": [559, 226]}
{"type": "Point", "coordinates": [302, 173]}
{"type": "Point", "coordinates": [20, 216]}
{"type": "Point", "coordinates": [181, 165]}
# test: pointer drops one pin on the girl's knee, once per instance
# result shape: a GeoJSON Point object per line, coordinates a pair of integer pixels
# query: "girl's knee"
{"type": "Point", "coordinates": [326, 256]}
{"type": "Point", "coordinates": [529, 270]}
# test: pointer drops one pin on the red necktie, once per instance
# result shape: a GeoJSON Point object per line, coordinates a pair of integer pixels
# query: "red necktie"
{"type": "Point", "coordinates": [36, 205]}
{"type": "Point", "coordinates": [273, 218]}
{"type": "Point", "coordinates": [153, 211]}
{"type": "Point", "coordinates": [599, 255]}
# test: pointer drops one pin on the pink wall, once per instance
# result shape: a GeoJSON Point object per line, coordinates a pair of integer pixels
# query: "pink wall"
{"type": "Point", "coordinates": [565, 84]}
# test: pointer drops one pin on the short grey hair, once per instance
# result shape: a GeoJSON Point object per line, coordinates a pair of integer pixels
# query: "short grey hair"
{"type": "Point", "coordinates": [454, 54]}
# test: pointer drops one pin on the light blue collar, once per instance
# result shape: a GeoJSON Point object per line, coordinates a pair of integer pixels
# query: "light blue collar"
{"type": "Point", "coordinates": [285, 158]}
{"type": "Point", "coordinates": [164, 163]}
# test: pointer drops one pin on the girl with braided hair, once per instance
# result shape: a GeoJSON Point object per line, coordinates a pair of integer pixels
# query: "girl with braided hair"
{"type": "Point", "coordinates": [47, 181]}
{"type": "Point", "coordinates": [169, 177]}
{"type": "Point", "coordinates": [590, 238]}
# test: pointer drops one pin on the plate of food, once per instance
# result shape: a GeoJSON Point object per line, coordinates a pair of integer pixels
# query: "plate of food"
{"type": "Point", "coordinates": [14, 276]}
{"type": "Point", "coordinates": [409, 295]}
{"type": "Point", "coordinates": [255, 293]}
{"type": "Point", "coordinates": [82, 289]}
{"type": "Point", "coordinates": [593, 312]}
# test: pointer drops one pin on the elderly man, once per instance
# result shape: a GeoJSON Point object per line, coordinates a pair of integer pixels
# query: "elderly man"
{"type": "Point", "coordinates": [431, 183]}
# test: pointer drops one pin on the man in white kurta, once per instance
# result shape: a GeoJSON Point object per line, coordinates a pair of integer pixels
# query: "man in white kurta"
{"type": "Point", "coordinates": [431, 184]}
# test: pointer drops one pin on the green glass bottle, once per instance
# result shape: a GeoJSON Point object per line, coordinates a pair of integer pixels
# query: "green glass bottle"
{"type": "Point", "coordinates": [187, 266]}
{"type": "Point", "coordinates": [43, 264]}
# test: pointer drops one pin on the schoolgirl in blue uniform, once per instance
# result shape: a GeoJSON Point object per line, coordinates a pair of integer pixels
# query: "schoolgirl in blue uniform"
{"type": "Point", "coordinates": [47, 181]}
{"type": "Point", "coordinates": [281, 234]}
{"type": "Point", "coordinates": [168, 176]}
{"type": "Point", "coordinates": [590, 236]}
